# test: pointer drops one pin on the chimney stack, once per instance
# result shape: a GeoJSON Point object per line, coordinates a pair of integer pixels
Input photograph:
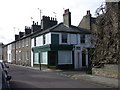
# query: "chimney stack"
{"type": "Point", "coordinates": [67, 17]}
{"type": "Point", "coordinates": [16, 37]}
{"type": "Point", "coordinates": [88, 13]}
{"type": "Point", "coordinates": [35, 27]}
{"type": "Point", "coordinates": [21, 34]}
{"type": "Point", "coordinates": [47, 22]}
{"type": "Point", "coordinates": [27, 30]}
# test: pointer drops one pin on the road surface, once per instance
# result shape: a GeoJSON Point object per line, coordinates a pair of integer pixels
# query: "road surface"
{"type": "Point", "coordinates": [29, 78]}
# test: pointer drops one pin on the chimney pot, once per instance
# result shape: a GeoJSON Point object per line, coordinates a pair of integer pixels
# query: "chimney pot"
{"type": "Point", "coordinates": [33, 22]}
{"type": "Point", "coordinates": [88, 12]}
{"type": "Point", "coordinates": [51, 18]}
{"type": "Point", "coordinates": [55, 19]}
{"type": "Point", "coordinates": [66, 11]}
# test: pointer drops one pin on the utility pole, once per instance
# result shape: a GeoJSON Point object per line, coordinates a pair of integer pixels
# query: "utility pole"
{"type": "Point", "coordinates": [40, 14]}
{"type": "Point", "coordinates": [40, 24]}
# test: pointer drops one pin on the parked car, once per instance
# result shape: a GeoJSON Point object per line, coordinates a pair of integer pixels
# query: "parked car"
{"type": "Point", "coordinates": [5, 70]}
{"type": "Point", "coordinates": [4, 85]}
{"type": "Point", "coordinates": [5, 67]}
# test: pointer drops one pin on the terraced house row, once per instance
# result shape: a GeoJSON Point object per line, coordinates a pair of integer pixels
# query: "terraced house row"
{"type": "Point", "coordinates": [51, 44]}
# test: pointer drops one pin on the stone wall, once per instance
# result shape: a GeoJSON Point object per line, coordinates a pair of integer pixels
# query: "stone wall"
{"type": "Point", "coordinates": [109, 70]}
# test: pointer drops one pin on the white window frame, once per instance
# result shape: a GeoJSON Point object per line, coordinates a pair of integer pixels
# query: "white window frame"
{"type": "Point", "coordinates": [62, 38]}
{"type": "Point", "coordinates": [19, 44]}
{"type": "Point", "coordinates": [82, 38]}
{"type": "Point", "coordinates": [23, 55]}
{"type": "Point", "coordinates": [36, 54]}
{"type": "Point", "coordinates": [23, 43]}
{"type": "Point", "coordinates": [19, 55]}
{"type": "Point", "coordinates": [27, 40]}
{"type": "Point", "coordinates": [41, 57]}
{"type": "Point", "coordinates": [13, 46]}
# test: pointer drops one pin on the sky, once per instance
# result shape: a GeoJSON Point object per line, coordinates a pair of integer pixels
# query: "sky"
{"type": "Point", "coordinates": [16, 14]}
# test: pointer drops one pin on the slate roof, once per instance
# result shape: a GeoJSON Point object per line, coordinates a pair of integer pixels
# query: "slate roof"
{"type": "Point", "coordinates": [64, 28]}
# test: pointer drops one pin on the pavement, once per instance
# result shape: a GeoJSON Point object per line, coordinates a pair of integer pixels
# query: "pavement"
{"type": "Point", "coordinates": [108, 82]}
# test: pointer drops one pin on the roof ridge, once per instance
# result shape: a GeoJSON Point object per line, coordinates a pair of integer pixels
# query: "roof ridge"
{"type": "Point", "coordinates": [55, 26]}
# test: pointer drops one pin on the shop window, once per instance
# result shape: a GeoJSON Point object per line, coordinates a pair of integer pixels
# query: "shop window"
{"type": "Point", "coordinates": [64, 57]}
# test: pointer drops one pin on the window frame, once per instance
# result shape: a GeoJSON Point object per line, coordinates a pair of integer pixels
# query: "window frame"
{"type": "Point", "coordinates": [82, 38]}
{"type": "Point", "coordinates": [27, 41]}
{"type": "Point", "coordinates": [64, 38]}
{"type": "Point", "coordinates": [23, 43]}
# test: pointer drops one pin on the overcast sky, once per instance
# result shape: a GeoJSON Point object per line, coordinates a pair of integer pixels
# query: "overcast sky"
{"type": "Point", "coordinates": [16, 14]}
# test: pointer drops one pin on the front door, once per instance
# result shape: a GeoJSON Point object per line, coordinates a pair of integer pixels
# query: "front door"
{"type": "Point", "coordinates": [52, 58]}
{"type": "Point", "coordinates": [84, 58]}
{"type": "Point", "coordinates": [77, 60]}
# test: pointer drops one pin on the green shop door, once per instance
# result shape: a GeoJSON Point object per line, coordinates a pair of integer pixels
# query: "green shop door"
{"type": "Point", "coordinates": [52, 58]}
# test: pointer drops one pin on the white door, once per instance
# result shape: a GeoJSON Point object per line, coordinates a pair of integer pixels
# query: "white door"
{"type": "Point", "coordinates": [77, 60]}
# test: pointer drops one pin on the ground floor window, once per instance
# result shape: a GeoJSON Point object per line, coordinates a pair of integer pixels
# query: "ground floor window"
{"type": "Point", "coordinates": [36, 58]}
{"type": "Point", "coordinates": [64, 57]}
{"type": "Point", "coordinates": [41, 57]}
{"type": "Point", "coordinates": [22, 55]}
{"type": "Point", "coordinates": [27, 55]}
{"type": "Point", "coordinates": [44, 58]}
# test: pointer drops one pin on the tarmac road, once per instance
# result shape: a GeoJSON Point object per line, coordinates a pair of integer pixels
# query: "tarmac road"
{"type": "Point", "coordinates": [29, 78]}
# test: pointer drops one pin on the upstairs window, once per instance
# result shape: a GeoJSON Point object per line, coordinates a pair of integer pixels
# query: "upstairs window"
{"type": "Point", "coordinates": [22, 55]}
{"type": "Point", "coordinates": [23, 43]}
{"type": "Point", "coordinates": [82, 38]}
{"type": "Point", "coordinates": [19, 44]}
{"type": "Point", "coordinates": [27, 41]}
{"type": "Point", "coordinates": [13, 46]}
{"type": "Point", "coordinates": [64, 38]}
